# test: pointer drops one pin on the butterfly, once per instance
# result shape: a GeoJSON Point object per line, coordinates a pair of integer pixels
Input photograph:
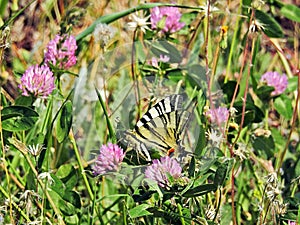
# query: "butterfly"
{"type": "Point", "coordinates": [161, 128]}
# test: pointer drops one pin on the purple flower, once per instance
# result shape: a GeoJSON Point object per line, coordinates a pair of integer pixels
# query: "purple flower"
{"type": "Point", "coordinates": [218, 115]}
{"type": "Point", "coordinates": [161, 169]}
{"type": "Point", "coordinates": [275, 80]}
{"type": "Point", "coordinates": [166, 19]}
{"type": "Point", "coordinates": [162, 58]}
{"type": "Point", "coordinates": [154, 62]}
{"type": "Point", "coordinates": [61, 52]}
{"type": "Point", "coordinates": [109, 159]}
{"type": "Point", "coordinates": [38, 81]}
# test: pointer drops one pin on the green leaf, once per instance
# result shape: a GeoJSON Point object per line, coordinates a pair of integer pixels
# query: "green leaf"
{"type": "Point", "coordinates": [252, 112]}
{"type": "Point", "coordinates": [268, 24]}
{"type": "Point", "coordinates": [284, 107]}
{"type": "Point", "coordinates": [68, 175]}
{"type": "Point", "coordinates": [196, 77]}
{"type": "Point", "coordinates": [64, 121]}
{"type": "Point", "coordinates": [139, 211]}
{"type": "Point", "coordinates": [221, 173]}
{"type": "Point", "coordinates": [264, 92]}
{"type": "Point", "coordinates": [66, 207]}
{"type": "Point", "coordinates": [264, 146]}
{"type": "Point", "coordinates": [291, 12]}
{"type": "Point", "coordinates": [73, 198]}
{"type": "Point", "coordinates": [187, 19]}
{"type": "Point", "coordinates": [18, 118]}
{"type": "Point", "coordinates": [24, 101]}
{"type": "Point", "coordinates": [57, 185]}
{"type": "Point", "coordinates": [165, 48]}
{"type": "Point", "coordinates": [201, 143]}
{"type": "Point", "coordinates": [209, 157]}
{"type": "Point", "coordinates": [73, 219]}
{"type": "Point", "coordinates": [200, 190]}
{"type": "Point", "coordinates": [192, 167]}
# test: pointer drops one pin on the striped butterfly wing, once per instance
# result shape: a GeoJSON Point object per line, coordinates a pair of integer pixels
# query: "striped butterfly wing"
{"type": "Point", "coordinates": [160, 128]}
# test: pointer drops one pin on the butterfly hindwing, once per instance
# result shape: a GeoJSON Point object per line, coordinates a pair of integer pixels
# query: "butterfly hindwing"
{"type": "Point", "coordinates": [160, 128]}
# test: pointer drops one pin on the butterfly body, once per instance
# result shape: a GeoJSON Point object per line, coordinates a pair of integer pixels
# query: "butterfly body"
{"type": "Point", "coordinates": [160, 128]}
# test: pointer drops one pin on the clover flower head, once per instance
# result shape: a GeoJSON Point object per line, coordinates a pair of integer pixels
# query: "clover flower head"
{"type": "Point", "coordinates": [109, 159]}
{"type": "Point", "coordinates": [274, 79]}
{"type": "Point", "coordinates": [103, 33]}
{"type": "Point", "coordinates": [60, 51]}
{"type": "Point", "coordinates": [161, 169]}
{"type": "Point", "coordinates": [38, 81]}
{"type": "Point", "coordinates": [166, 18]}
{"type": "Point", "coordinates": [218, 115]}
{"type": "Point", "coordinates": [290, 222]}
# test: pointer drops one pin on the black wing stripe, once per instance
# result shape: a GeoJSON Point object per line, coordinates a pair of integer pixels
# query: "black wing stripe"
{"type": "Point", "coordinates": [167, 115]}
{"type": "Point", "coordinates": [156, 134]}
{"type": "Point", "coordinates": [167, 105]}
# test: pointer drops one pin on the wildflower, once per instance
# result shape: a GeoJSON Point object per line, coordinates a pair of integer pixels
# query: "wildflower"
{"type": "Point", "coordinates": [28, 194]}
{"type": "Point", "coordinates": [38, 81]}
{"type": "Point", "coordinates": [241, 152]}
{"type": "Point", "coordinates": [218, 115]}
{"type": "Point", "coordinates": [166, 19]}
{"type": "Point", "coordinates": [103, 33]}
{"type": "Point", "coordinates": [272, 192]}
{"type": "Point", "coordinates": [60, 52]}
{"type": "Point", "coordinates": [209, 9]}
{"type": "Point", "coordinates": [46, 176]}
{"type": "Point", "coordinates": [232, 111]}
{"type": "Point", "coordinates": [35, 150]}
{"type": "Point", "coordinates": [162, 58]}
{"type": "Point", "coordinates": [109, 159]}
{"type": "Point", "coordinates": [138, 22]}
{"type": "Point", "coordinates": [272, 179]}
{"type": "Point", "coordinates": [275, 80]}
{"type": "Point", "coordinates": [163, 169]}
{"type": "Point", "coordinates": [280, 208]}
{"type": "Point", "coordinates": [154, 62]}
{"type": "Point", "coordinates": [214, 137]}
{"type": "Point", "coordinates": [291, 222]}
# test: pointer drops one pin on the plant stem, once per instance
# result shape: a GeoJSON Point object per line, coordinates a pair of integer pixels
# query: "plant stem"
{"type": "Point", "coordinates": [7, 195]}
{"type": "Point", "coordinates": [5, 167]}
{"type": "Point", "coordinates": [71, 136]}
{"type": "Point", "coordinates": [22, 148]}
